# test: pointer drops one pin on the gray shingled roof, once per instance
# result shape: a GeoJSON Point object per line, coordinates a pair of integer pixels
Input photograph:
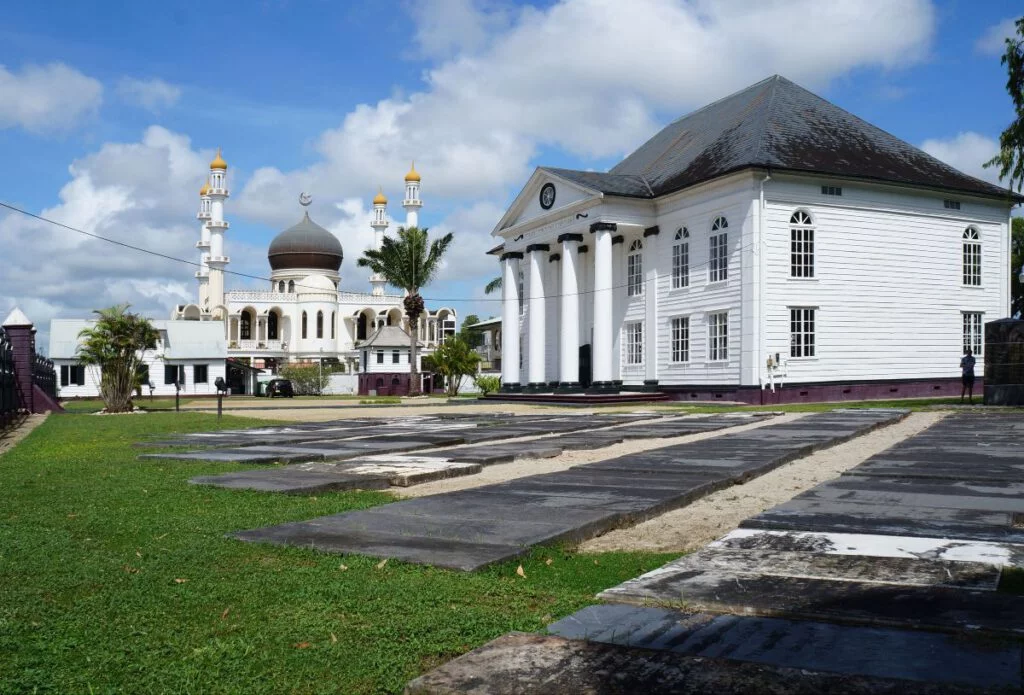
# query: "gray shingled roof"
{"type": "Point", "coordinates": [387, 336]}
{"type": "Point", "coordinates": [779, 125]}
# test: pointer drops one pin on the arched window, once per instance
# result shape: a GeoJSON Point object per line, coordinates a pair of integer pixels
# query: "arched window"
{"type": "Point", "coordinates": [972, 257]}
{"type": "Point", "coordinates": [280, 286]}
{"type": "Point", "coordinates": [291, 286]}
{"type": "Point", "coordinates": [272, 326]}
{"type": "Point", "coordinates": [681, 259]}
{"type": "Point", "coordinates": [332, 325]}
{"type": "Point", "coordinates": [246, 325]}
{"type": "Point", "coordinates": [361, 327]}
{"type": "Point", "coordinates": [801, 245]}
{"type": "Point", "coordinates": [718, 247]}
{"type": "Point", "coordinates": [635, 269]}
{"type": "Point", "coordinates": [304, 325]}
{"type": "Point", "coordinates": [319, 324]}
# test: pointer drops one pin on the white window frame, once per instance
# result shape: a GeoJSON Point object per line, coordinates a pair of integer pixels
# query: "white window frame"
{"type": "Point", "coordinates": [679, 340]}
{"type": "Point", "coordinates": [718, 251]}
{"type": "Point", "coordinates": [973, 332]}
{"type": "Point", "coordinates": [633, 344]}
{"type": "Point", "coordinates": [801, 246]}
{"type": "Point", "coordinates": [635, 269]}
{"type": "Point", "coordinates": [803, 332]}
{"type": "Point", "coordinates": [718, 336]}
{"type": "Point", "coordinates": [971, 257]}
{"type": "Point", "coordinates": [681, 259]}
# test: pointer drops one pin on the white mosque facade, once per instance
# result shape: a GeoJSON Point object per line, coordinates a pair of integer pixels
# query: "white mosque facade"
{"type": "Point", "coordinates": [303, 316]}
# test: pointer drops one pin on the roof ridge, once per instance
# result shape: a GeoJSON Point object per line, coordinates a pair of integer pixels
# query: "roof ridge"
{"type": "Point", "coordinates": [727, 97]}
{"type": "Point", "coordinates": [758, 153]}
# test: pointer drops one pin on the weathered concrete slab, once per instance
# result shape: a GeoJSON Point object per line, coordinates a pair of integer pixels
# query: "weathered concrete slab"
{"type": "Point", "coordinates": [844, 602]}
{"type": "Point", "coordinates": [814, 646]}
{"type": "Point", "coordinates": [568, 506]}
{"type": "Point", "coordinates": [325, 479]}
{"type": "Point", "coordinates": [516, 664]}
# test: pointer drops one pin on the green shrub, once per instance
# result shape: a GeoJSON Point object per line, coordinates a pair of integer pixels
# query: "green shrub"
{"type": "Point", "coordinates": [306, 379]}
{"type": "Point", "coordinates": [488, 383]}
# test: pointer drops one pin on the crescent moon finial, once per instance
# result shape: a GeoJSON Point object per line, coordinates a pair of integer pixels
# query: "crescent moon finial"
{"type": "Point", "coordinates": [305, 199]}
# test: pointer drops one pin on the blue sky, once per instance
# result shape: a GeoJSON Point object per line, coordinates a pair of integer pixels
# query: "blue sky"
{"type": "Point", "coordinates": [109, 112]}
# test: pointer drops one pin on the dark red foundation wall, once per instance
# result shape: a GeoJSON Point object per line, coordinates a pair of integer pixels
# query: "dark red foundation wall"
{"type": "Point", "coordinates": [818, 393]}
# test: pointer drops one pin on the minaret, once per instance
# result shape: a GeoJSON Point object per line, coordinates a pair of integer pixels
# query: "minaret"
{"type": "Point", "coordinates": [203, 274]}
{"type": "Point", "coordinates": [412, 202]}
{"type": "Point", "coordinates": [217, 193]}
{"type": "Point", "coordinates": [380, 225]}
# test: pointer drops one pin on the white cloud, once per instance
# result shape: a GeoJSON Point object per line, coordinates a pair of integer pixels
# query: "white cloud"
{"type": "Point", "coordinates": [993, 41]}
{"type": "Point", "coordinates": [968, 152]}
{"type": "Point", "coordinates": [153, 94]}
{"type": "Point", "coordinates": [591, 78]}
{"type": "Point", "coordinates": [143, 193]}
{"type": "Point", "coordinates": [49, 98]}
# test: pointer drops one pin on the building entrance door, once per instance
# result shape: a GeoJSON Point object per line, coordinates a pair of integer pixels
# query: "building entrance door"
{"type": "Point", "coordinates": [585, 376]}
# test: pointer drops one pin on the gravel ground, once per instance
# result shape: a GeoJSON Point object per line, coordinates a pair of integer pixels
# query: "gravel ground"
{"type": "Point", "coordinates": [698, 524]}
{"type": "Point", "coordinates": [524, 467]}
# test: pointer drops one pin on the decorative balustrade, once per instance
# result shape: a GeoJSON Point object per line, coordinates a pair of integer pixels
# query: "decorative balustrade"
{"type": "Point", "coordinates": [257, 296]}
{"type": "Point", "coordinates": [257, 345]}
{"type": "Point", "coordinates": [368, 298]}
{"type": "Point", "coordinates": [10, 405]}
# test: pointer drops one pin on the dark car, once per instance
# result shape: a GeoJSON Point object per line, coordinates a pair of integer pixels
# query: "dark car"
{"type": "Point", "coordinates": [280, 387]}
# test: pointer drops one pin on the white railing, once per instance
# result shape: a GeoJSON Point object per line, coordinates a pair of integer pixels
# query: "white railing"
{"type": "Point", "coordinates": [257, 296]}
{"type": "Point", "coordinates": [368, 298]}
{"type": "Point", "coordinates": [257, 345]}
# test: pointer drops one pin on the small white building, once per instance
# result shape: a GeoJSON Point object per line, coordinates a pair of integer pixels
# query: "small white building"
{"type": "Point", "coordinates": [769, 246]}
{"type": "Point", "coordinates": [190, 353]}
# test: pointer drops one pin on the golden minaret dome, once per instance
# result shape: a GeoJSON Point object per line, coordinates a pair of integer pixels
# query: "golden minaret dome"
{"type": "Point", "coordinates": [413, 175]}
{"type": "Point", "coordinates": [218, 162]}
{"type": "Point", "coordinates": [205, 189]}
{"type": "Point", "coordinates": [380, 199]}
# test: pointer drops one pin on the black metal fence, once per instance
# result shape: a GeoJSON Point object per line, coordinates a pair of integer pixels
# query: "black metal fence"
{"type": "Point", "coordinates": [10, 404]}
{"type": "Point", "coordinates": [44, 374]}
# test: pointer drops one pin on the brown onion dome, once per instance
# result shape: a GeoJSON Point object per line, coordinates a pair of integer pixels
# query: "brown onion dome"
{"type": "Point", "coordinates": [305, 245]}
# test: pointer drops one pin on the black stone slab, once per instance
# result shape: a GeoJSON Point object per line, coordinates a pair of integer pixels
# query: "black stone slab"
{"type": "Point", "coordinates": [569, 505]}
{"type": "Point", "coordinates": [808, 645]}
{"type": "Point", "coordinates": [285, 480]}
{"type": "Point", "coordinates": [516, 664]}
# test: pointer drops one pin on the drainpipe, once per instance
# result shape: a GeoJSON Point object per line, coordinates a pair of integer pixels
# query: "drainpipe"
{"type": "Point", "coordinates": [761, 281]}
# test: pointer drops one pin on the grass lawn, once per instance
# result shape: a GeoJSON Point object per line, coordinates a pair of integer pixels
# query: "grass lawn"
{"type": "Point", "coordinates": [115, 576]}
{"type": "Point", "coordinates": [94, 405]}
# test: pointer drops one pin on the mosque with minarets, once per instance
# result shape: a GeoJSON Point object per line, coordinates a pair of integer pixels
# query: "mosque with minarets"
{"type": "Point", "coordinates": [304, 316]}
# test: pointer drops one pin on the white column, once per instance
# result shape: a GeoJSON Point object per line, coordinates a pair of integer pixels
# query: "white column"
{"type": "Point", "coordinates": [510, 322]}
{"type": "Point", "coordinates": [603, 339]}
{"type": "Point", "coordinates": [538, 257]}
{"type": "Point", "coordinates": [569, 336]}
{"type": "Point", "coordinates": [651, 307]}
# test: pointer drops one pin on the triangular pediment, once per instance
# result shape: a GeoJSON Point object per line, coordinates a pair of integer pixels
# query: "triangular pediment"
{"type": "Point", "coordinates": [544, 195]}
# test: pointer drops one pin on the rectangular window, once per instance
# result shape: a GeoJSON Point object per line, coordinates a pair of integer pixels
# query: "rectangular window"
{"type": "Point", "coordinates": [199, 373]}
{"type": "Point", "coordinates": [972, 263]}
{"type": "Point", "coordinates": [394, 357]}
{"type": "Point", "coordinates": [718, 336]}
{"type": "Point", "coordinates": [831, 190]}
{"type": "Point", "coordinates": [633, 343]}
{"type": "Point", "coordinates": [801, 253]}
{"type": "Point", "coordinates": [64, 375]}
{"type": "Point", "coordinates": [634, 274]}
{"type": "Point", "coordinates": [718, 265]}
{"type": "Point", "coordinates": [174, 373]}
{"type": "Point", "coordinates": [972, 332]}
{"type": "Point", "coordinates": [681, 265]}
{"type": "Point", "coordinates": [78, 374]}
{"type": "Point", "coordinates": [380, 357]}
{"type": "Point", "coordinates": [951, 204]}
{"type": "Point", "coordinates": [681, 339]}
{"type": "Point", "coordinates": [801, 332]}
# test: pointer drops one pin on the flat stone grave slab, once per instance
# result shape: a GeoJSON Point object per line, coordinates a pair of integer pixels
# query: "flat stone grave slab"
{"type": "Point", "coordinates": [567, 510]}
{"type": "Point", "coordinates": [517, 663]}
{"type": "Point", "coordinates": [924, 657]}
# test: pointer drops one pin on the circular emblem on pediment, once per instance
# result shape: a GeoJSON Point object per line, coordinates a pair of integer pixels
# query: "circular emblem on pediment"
{"type": "Point", "coordinates": [547, 196]}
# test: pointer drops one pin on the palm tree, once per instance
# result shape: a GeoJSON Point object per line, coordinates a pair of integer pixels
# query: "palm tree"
{"type": "Point", "coordinates": [493, 286]}
{"type": "Point", "coordinates": [116, 344]}
{"type": "Point", "coordinates": [408, 262]}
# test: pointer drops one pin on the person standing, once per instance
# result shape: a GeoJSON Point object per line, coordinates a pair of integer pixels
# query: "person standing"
{"type": "Point", "coordinates": [967, 376]}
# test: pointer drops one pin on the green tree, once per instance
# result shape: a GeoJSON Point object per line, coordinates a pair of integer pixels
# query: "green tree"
{"type": "Point", "coordinates": [307, 379]}
{"type": "Point", "coordinates": [473, 338]}
{"type": "Point", "coordinates": [1016, 264]}
{"type": "Point", "coordinates": [116, 344]}
{"type": "Point", "coordinates": [409, 262]}
{"type": "Point", "coordinates": [1010, 159]}
{"type": "Point", "coordinates": [493, 286]}
{"type": "Point", "coordinates": [454, 360]}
